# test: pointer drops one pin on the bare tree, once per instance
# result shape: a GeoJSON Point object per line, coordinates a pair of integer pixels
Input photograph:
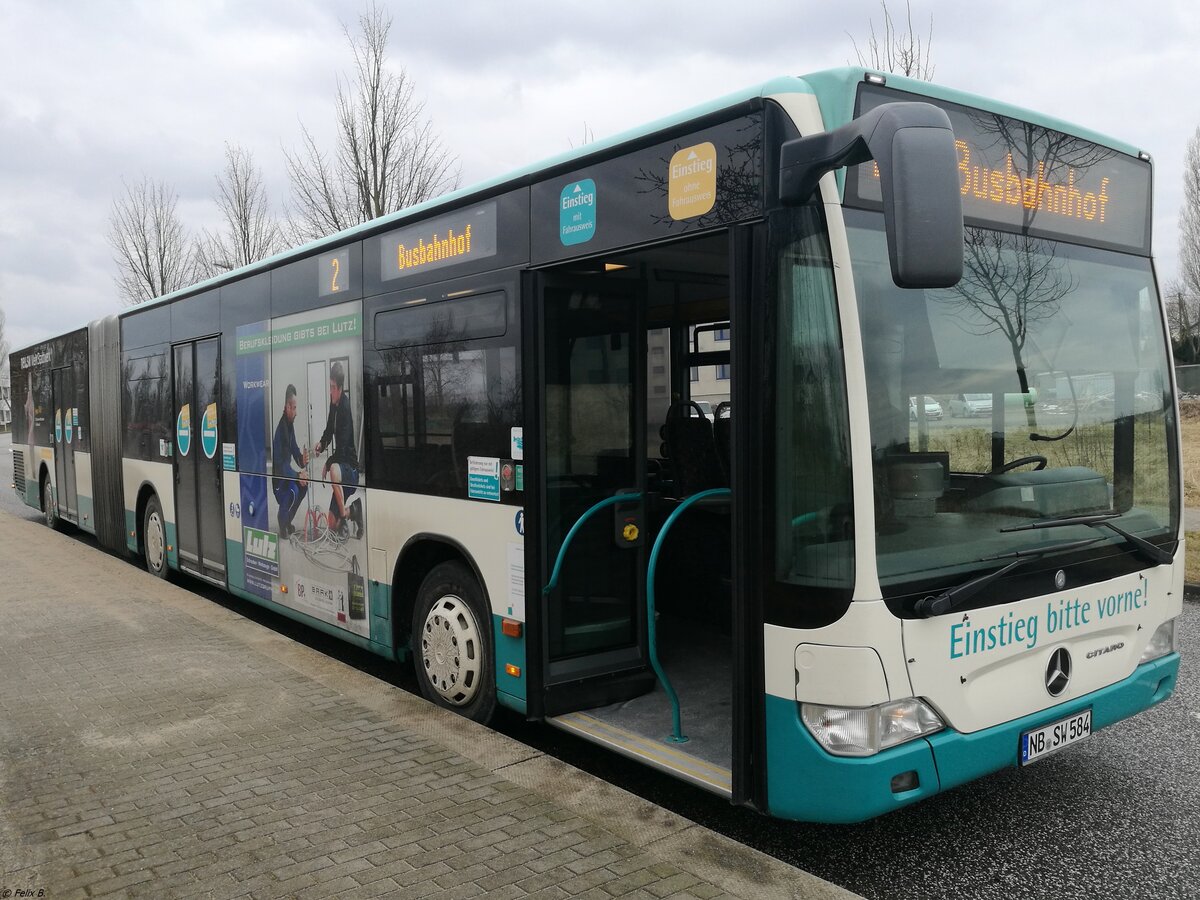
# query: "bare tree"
{"type": "Point", "coordinates": [1183, 295]}
{"type": "Point", "coordinates": [1183, 319]}
{"type": "Point", "coordinates": [388, 156]}
{"type": "Point", "coordinates": [586, 138]}
{"type": "Point", "coordinates": [3, 343]}
{"type": "Point", "coordinates": [904, 53]}
{"type": "Point", "coordinates": [1008, 288]}
{"type": "Point", "coordinates": [153, 254]}
{"type": "Point", "coordinates": [251, 232]}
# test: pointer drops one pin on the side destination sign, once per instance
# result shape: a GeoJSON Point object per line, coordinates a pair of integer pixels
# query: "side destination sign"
{"type": "Point", "coordinates": [435, 243]}
{"type": "Point", "coordinates": [1022, 177]}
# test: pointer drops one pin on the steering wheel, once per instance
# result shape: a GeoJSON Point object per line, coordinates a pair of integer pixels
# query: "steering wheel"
{"type": "Point", "coordinates": [1023, 461]}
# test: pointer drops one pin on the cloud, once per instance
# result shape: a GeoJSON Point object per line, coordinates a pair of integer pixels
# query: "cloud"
{"type": "Point", "coordinates": [107, 90]}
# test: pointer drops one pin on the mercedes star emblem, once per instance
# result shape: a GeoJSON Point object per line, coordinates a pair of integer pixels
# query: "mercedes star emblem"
{"type": "Point", "coordinates": [1060, 579]}
{"type": "Point", "coordinates": [1058, 672]}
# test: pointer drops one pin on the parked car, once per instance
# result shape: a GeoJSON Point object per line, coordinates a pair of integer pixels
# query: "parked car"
{"type": "Point", "coordinates": [933, 409]}
{"type": "Point", "coordinates": [705, 407]}
{"type": "Point", "coordinates": [971, 405]}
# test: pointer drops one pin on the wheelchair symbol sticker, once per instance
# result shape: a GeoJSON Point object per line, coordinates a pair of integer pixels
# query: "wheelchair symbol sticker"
{"type": "Point", "coordinates": [519, 522]}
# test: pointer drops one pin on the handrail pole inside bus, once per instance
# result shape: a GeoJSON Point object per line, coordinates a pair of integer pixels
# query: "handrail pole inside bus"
{"type": "Point", "coordinates": [677, 736]}
{"type": "Point", "coordinates": [562, 551]}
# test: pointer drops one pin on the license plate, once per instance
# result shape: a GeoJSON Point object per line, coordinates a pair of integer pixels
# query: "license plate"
{"type": "Point", "coordinates": [1045, 740]}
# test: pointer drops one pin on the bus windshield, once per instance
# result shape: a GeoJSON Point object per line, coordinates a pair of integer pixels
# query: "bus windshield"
{"type": "Point", "coordinates": [1049, 361]}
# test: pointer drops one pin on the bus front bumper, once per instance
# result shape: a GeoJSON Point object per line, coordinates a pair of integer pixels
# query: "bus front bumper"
{"type": "Point", "coordinates": [806, 783]}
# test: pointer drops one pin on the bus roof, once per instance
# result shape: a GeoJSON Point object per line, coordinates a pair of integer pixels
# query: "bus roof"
{"type": "Point", "coordinates": [526, 174]}
{"type": "Point", "coordinates": [835, 90]}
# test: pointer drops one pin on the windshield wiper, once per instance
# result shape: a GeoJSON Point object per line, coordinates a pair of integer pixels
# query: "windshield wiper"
{"type": "Point", "coordinates": [956, 596]}
{"type": "Point", "coordinates": [1152, 552]}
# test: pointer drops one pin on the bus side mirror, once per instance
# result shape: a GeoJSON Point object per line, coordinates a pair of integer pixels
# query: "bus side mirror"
{"type": "Point", "coordinates": [913, 146]}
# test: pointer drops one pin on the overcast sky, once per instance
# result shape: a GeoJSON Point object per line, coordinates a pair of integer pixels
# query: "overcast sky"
{"type": "Point", "coordinates": [95, 92]}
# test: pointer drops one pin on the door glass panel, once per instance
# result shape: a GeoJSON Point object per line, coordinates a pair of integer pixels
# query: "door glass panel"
{"type": "Point", "coordinates": [186, 450]}
{"type": "Point", "coordinates": [590, 429]}
{"type": "Point", "coordinates": [207, 439]}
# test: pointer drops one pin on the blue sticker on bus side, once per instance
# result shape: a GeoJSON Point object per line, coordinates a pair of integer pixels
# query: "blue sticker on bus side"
{"type": "Point", "coordinates": [208, 431]}
{"type": "Point", "coordinates": [577, 212]}
{"type": "Point", "coordinates": [183, 429]}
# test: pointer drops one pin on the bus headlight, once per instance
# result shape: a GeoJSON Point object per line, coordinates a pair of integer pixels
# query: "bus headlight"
{"type": "Point", "coordinates": [849, 731]}
{"type": "Point", "coordinates": [1161, 643]}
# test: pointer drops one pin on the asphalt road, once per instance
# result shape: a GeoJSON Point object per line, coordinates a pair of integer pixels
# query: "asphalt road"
{"type": "Point", "coordinates": [1116, 816]}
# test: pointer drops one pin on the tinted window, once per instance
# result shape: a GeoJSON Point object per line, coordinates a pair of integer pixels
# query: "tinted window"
{"type": "Point", "coordinates": [447, 387]}
{"type": "Point", "coordinates": [147, 405]}
{"type": "Point", "coordinates": [450, 321]}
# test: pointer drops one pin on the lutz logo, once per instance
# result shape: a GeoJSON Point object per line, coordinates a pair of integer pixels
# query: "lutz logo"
{"type": "Point", "coordinates": [262, 544]}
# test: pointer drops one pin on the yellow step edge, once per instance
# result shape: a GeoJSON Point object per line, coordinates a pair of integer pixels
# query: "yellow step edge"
{"type": "Point", "coordinates": [669, 758]}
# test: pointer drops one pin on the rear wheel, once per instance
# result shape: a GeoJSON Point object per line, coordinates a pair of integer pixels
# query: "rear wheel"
{"type": "Point", "coordinates": [154, 539]}
{"type": "Point", "coordinates": [452, 643]}
{"type": "Point", "coordinates": [50, 506]}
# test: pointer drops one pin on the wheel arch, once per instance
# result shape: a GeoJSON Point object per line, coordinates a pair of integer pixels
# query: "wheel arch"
{"type": "Point", "coordinates": [145, 491]}
{"type": "Point", "coordinates": [420, 554]}
{"type": "Point", "coordinates": [44, 475]}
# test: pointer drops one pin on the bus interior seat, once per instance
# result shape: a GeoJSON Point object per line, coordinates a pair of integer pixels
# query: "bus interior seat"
{"type": "Point", "coordinates": [477, 439]}
{"type": "Point", "coordinates": [723, 434]}
{"type": "Point", "coordinates": [694, 569]}
{"type": "Point", "coordinates": [692, 450]}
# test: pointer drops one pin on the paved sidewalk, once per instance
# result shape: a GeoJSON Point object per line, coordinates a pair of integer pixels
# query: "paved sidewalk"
{"type": "Point", "coordinates": [154, 743]}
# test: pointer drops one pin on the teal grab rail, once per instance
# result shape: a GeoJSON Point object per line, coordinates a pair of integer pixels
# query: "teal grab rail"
{"type": "Point", "coordinates": [562, 551]}
{"type": "Point", "coordinates": [677, 736]}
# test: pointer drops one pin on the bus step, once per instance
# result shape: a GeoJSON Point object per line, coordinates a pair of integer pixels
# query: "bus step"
{"type": "Point", "coordinates": [661, 755]}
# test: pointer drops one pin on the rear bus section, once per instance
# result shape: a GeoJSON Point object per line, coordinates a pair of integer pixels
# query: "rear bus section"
{"type": "Point", "coordinates": [52, 429]}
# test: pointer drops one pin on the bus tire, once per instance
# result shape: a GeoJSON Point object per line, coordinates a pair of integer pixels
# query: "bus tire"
{"type": "Point", "coordinates": [452, 645]}
{"type": "Point", "coordinates": [50, 506]}
{"type": "Point", "coordinates": [154, 539]}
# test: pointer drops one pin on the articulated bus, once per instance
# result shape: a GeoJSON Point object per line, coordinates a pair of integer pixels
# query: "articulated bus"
{"type": "Point", "coordinates": [655, 442]}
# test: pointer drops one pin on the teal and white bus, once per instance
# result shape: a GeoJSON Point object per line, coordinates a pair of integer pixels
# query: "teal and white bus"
{"type": "Point", "coordinates": [469, 435]}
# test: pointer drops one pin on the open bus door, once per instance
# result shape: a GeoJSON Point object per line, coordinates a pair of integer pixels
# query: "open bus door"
{"type": "Point", "coordinates": [603, 488]}
{"type": "Point", "coordinates": [590, 450]}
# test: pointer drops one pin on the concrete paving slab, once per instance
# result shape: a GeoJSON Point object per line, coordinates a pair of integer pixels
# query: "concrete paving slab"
{"type": "Point", "coordinates": [153, 743]}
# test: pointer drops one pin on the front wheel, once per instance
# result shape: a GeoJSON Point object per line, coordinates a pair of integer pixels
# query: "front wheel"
{"type": "Point", "coordinates": [154, 539]}
{"type": "Point", "coordinates": [452, 643]}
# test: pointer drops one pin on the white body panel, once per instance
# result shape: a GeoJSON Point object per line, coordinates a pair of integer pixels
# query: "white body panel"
{"type": "Point", "coordinates": [821, 675]}
{"type": "Point", "coordinates": [137, 472]}
{"type": "Point", "coordinates": [83, 474]}
{"type": "Point", "coordinates": [233, 509]}
{"type": "Point", "coordinates": [83, 488]}
{"type": "Point", "coordinates": [485, 530]}
{"type": "Point", "coordinates": [971, 669]}
{"type": "Point", "coordinates": [41, 456]}
{"type": "Point", "coordinates": [865, 625]}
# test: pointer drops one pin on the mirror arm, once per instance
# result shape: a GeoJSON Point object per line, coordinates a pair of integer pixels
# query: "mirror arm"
{"type": "Point", "coordinates": [913, 145]}
{"type": "Point", "coordinates": [804, 160]}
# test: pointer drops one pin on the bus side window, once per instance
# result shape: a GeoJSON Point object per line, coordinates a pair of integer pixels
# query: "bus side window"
{"type": "Point", "coordinates": [448, 389]}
